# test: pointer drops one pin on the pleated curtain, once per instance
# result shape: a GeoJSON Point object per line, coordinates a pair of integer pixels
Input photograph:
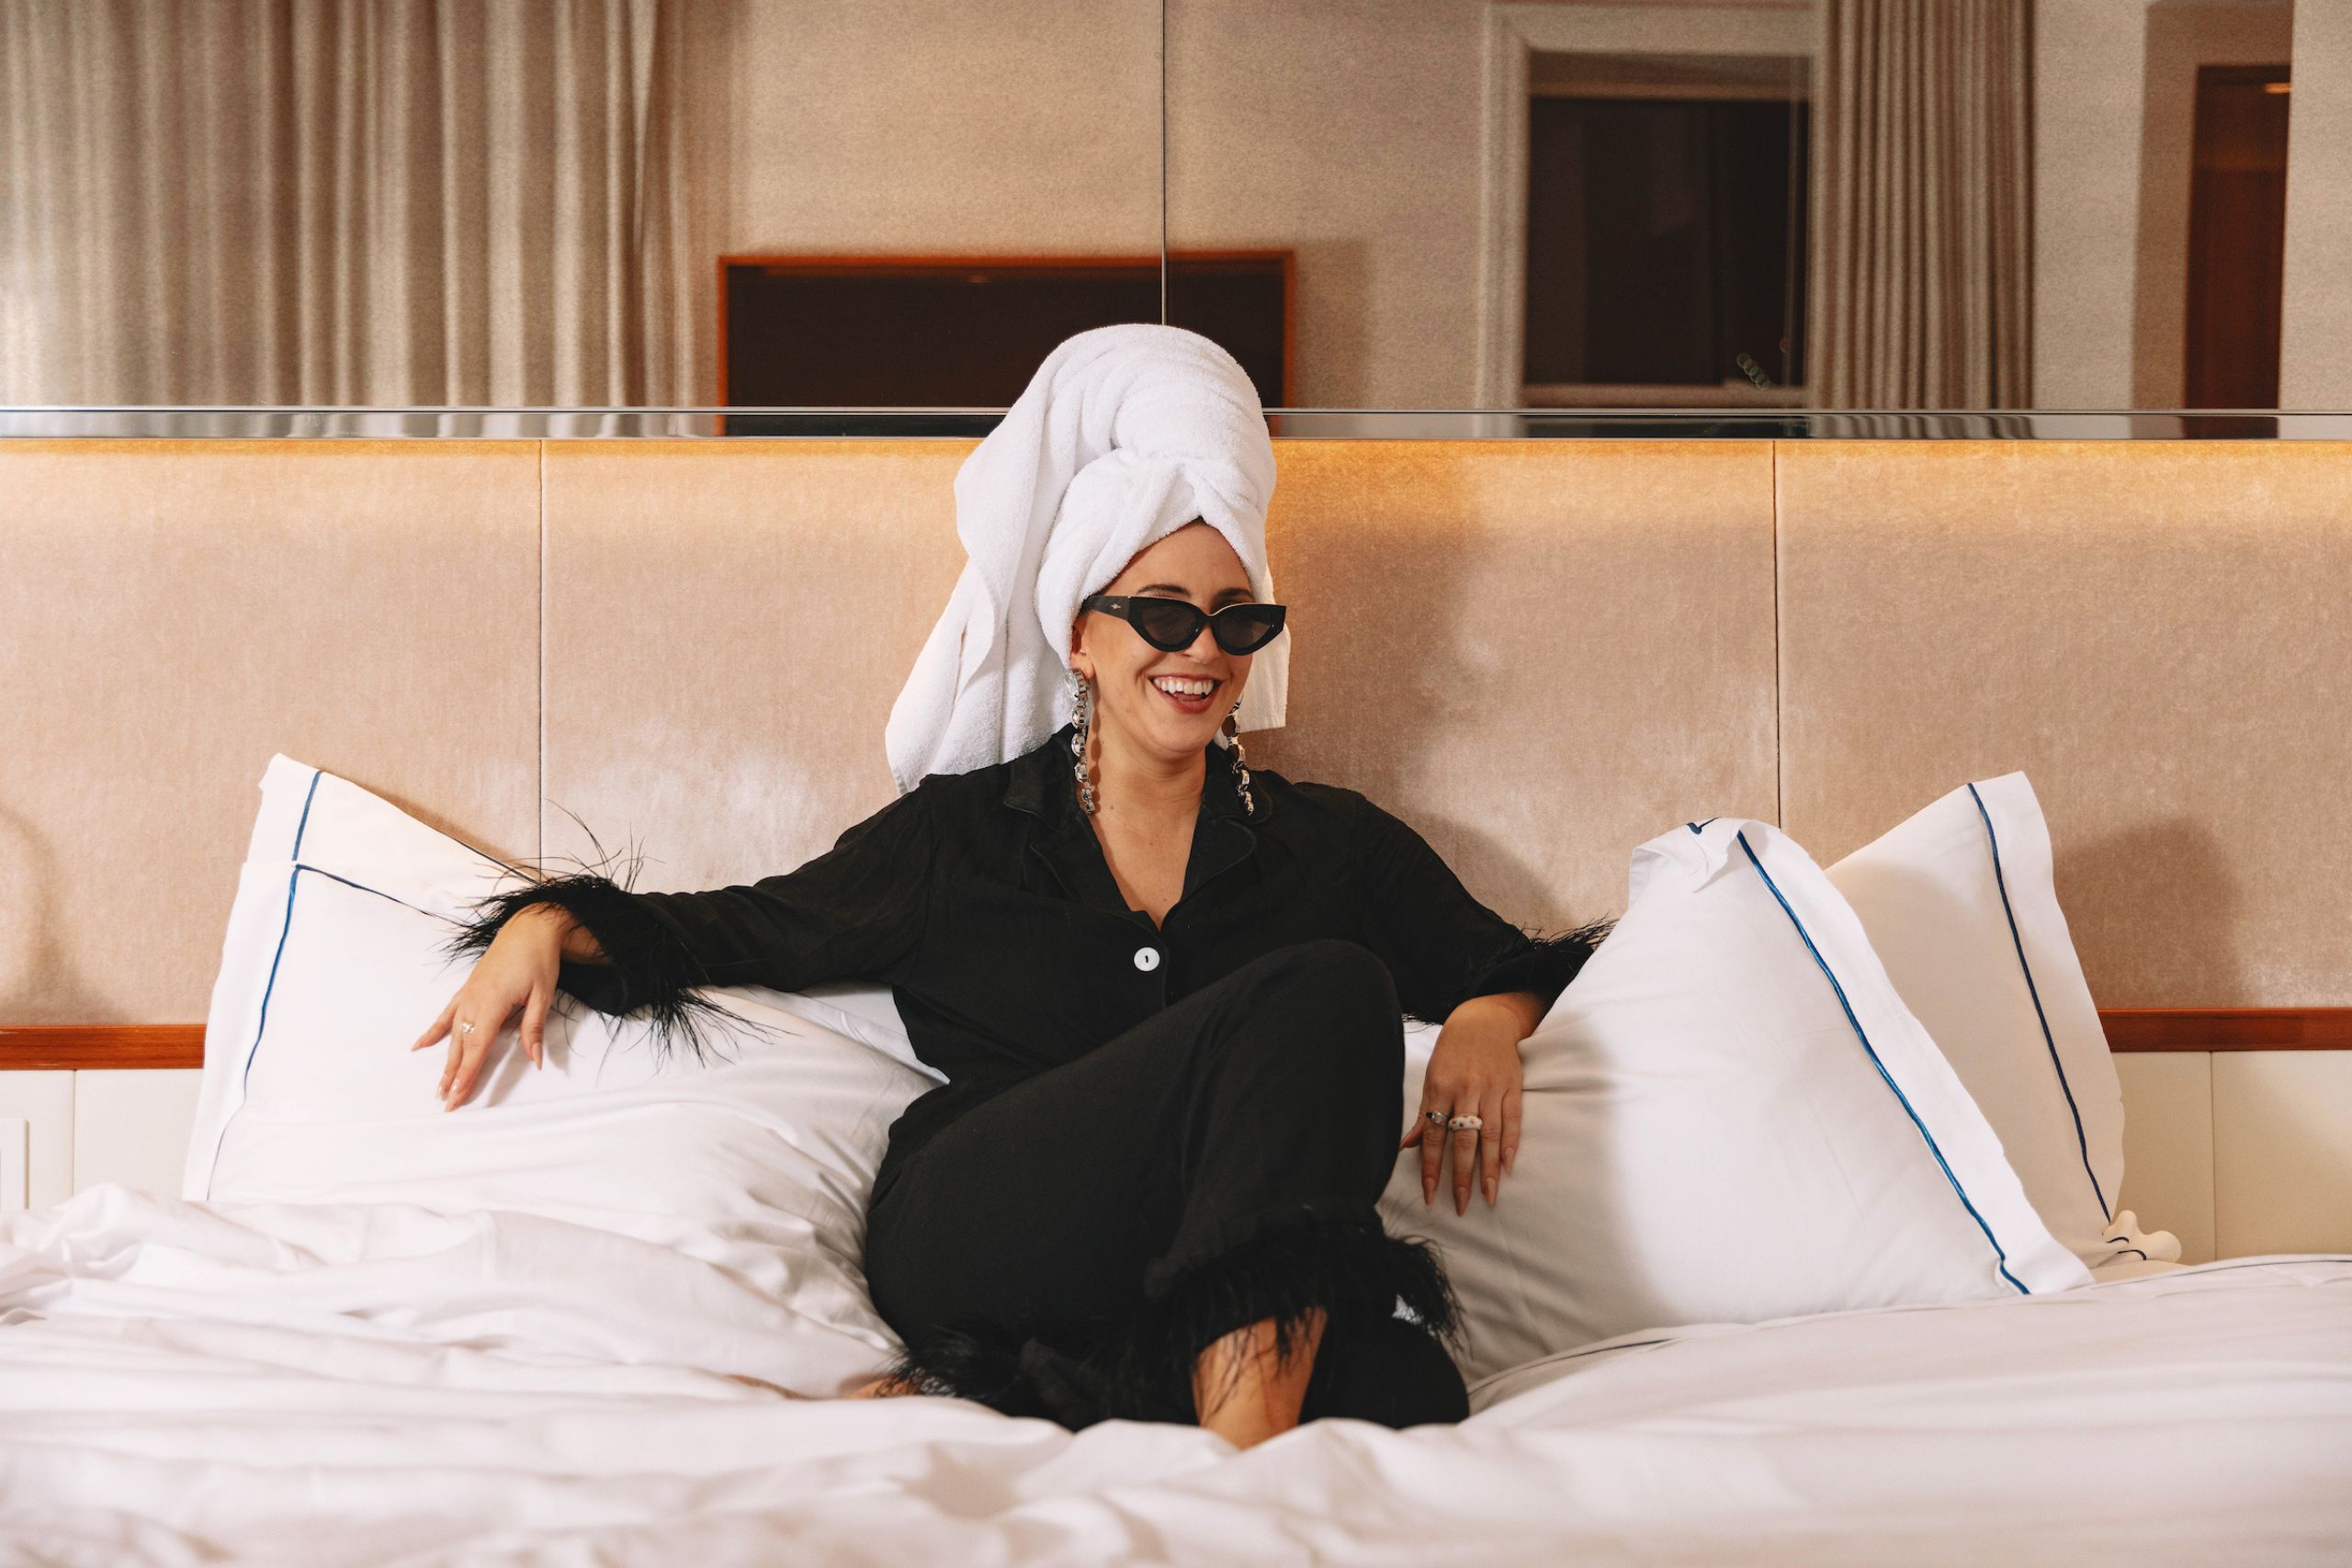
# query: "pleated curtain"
{"type": "Point", "coordinates": [1920, 293]}
{"type": "Point", "coordinates": [354, 202]}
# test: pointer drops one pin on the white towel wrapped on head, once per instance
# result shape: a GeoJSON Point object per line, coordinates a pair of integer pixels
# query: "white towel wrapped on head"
{"type": "Point", "coordinates": [1125, 435]}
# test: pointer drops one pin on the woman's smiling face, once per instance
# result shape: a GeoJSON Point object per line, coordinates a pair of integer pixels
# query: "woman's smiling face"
{"type": "Point", "coordinates": [1132, 707]}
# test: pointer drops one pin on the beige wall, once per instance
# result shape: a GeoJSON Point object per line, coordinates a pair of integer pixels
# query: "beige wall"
{"type": "Point", "coordinates": [1347, 131]}
{"type": "Point", "coordinates": [1350, 130]}
{"type": "Point", "coordinates": [2182, 35]}
{"type": "Point", "coordinates": [2149, 629]}
{"type": "Point", "coordinates": [1349, 134]}
{"type": "Point", "coordinates": [1541, 653]}
{"type": "Point", "coordinates": [2116, 90]}
{"type": "Point", "coordinates": [2090, 64]}
{"type": "Point", "coordinates": [670, 639]}
{"type": "Point", "coordinates": [2315, 350]}
{"type": "Point", "coordinates": [170, 613]}
{"type": "Point", "coordinates": [1018, 125]}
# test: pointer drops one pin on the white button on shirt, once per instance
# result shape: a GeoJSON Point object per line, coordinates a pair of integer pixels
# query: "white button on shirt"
{"type": "Point", "coordinates": [1146, 959]}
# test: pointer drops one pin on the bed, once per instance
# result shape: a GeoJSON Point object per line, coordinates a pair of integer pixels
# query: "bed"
{"type": "Point", "coordinates": [1756, 626]}
{"type": "Point", "coordinates": [326, 1388]}
{"type": "Point", "coordinates": [600, 1317]}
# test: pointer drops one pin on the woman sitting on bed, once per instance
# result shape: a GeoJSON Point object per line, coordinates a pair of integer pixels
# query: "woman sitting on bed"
{"type": "Point", "coordinates": [1166, 990]}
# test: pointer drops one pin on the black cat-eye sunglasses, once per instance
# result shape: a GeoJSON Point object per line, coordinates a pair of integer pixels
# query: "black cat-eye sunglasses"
{"type": "Point", "coordinates": [1171, 624]}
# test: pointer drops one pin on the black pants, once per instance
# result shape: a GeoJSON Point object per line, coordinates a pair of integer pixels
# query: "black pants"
{"type": "Point", "coordinates": [1067, 1246]}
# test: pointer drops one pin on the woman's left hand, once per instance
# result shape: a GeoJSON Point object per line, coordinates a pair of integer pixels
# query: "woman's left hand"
{"type": "Point", "coordinates": [1474, 1071]}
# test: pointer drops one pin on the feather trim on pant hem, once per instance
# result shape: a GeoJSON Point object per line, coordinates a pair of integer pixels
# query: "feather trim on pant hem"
{"type": "Point", "coordinates": [1141, 1368]}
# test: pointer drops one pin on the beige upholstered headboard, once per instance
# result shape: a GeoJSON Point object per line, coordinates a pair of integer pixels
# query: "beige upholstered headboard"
{"type": "Point", "coordinates": [1540, 652]}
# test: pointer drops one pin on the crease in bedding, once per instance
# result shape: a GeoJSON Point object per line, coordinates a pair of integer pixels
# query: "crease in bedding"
{"type": "Point", "coordinates": [327, 1384]}
{"type": "Point", "coordinates": [413, 1382]}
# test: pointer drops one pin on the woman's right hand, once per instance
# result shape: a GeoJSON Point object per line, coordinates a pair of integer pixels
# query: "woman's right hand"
{"type": "Point", "coordinates": [517, 971]}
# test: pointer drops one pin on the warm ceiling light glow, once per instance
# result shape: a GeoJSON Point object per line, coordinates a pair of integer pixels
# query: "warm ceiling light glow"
{"type": "Point", "coordinates": [2278, 87]}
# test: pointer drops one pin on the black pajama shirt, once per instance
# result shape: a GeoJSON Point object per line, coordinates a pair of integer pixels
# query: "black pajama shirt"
{"type": "Point", "coordinates": [1149, 1136]}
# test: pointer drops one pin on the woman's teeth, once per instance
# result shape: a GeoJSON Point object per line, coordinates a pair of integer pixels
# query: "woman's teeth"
{"type": "Point", "coordinates": [1185, 694]}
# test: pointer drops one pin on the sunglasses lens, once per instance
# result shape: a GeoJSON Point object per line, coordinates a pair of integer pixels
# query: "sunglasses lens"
{"type": "Point", "coordinates": [1168, 623]}
{"type": "Point", "coordinates": [1245, 628]}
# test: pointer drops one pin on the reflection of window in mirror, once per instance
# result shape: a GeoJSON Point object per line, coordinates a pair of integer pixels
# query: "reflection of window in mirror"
{"type": "Point", "coordinates": [1665, 231]}
{"type": "Point", "coordinates": [2237, 237]}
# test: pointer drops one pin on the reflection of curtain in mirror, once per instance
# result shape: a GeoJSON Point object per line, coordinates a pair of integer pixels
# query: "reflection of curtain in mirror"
{"type": "Point", "coordinates": [241, 201]}
{"type": "Point", "coordinates": [1920, 287]}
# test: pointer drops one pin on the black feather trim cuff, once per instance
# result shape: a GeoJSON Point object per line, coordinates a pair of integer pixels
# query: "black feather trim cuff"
{"type": "Point", "coordinates": [649, 969]}
{"type": "Point", "coordinates": [1545, 965]}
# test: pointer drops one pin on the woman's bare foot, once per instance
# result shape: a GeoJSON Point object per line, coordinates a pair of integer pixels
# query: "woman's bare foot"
{"type": "Point", "coordinates": [882, 1388]}
{"type": "Point", "coordinates": [1262, 1396]}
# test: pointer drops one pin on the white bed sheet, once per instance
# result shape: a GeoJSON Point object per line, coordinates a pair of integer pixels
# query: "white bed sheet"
{"type": "Point", "coordinates": [384, 1385]}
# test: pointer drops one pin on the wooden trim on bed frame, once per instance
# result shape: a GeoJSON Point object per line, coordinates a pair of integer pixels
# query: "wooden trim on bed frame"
{"type": "Point", "coordinates": [2225, 1029]}
{"type": "Point", "coordinates": [32, 1047]}
{"type": "Point", "coordinates": [39, 1047]}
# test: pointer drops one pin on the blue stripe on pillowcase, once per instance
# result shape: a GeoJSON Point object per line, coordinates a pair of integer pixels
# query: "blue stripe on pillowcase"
{"type": "Point", "coordinates": [303, 823]}
{"type": "Point", "coordinates": [1900, 1097]}
{"type": "Point", "coordinates": [2081, 1142]}
{"type": "Point", "coordinates": [269, 986]}
{"type": "Point", "coordinates": [263, 1026]}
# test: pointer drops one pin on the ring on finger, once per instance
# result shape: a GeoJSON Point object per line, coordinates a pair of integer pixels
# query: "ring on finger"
{"type": "Point", "coordinates": [1465, 1122]}
{"type": "Point", "coordinates": [1435, 1118]}
{"type": "Point", "coordinates": [465, 1029]}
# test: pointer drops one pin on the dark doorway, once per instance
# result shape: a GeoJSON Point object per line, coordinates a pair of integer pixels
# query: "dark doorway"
{"type": "Point", "coordinates": [2237, 237]}
{"type": "Point", "coordinates": [1666, 241]}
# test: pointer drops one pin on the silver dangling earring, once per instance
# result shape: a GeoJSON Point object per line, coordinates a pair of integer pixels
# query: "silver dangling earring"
{"type": "Point", "coordinates": [1240, 763]}
{"type": "Point", "coordinates": [1081, 701]}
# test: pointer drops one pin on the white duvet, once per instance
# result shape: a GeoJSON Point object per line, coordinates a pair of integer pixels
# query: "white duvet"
{"type": "Point", "coordinates": [382, 1383]}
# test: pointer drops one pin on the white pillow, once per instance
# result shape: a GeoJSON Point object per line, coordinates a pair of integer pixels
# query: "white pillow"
{"type": "Point", "coordinates": [759, 1166]}
{"type": "Point", "coordinates": [1729, 1116]}
{"type": "Point", "coordinates": [1962, 909]}
{"type": "Point", "coordinates": [866, 1013]}
{"type": "Point", "coordinates": [368, 838]}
